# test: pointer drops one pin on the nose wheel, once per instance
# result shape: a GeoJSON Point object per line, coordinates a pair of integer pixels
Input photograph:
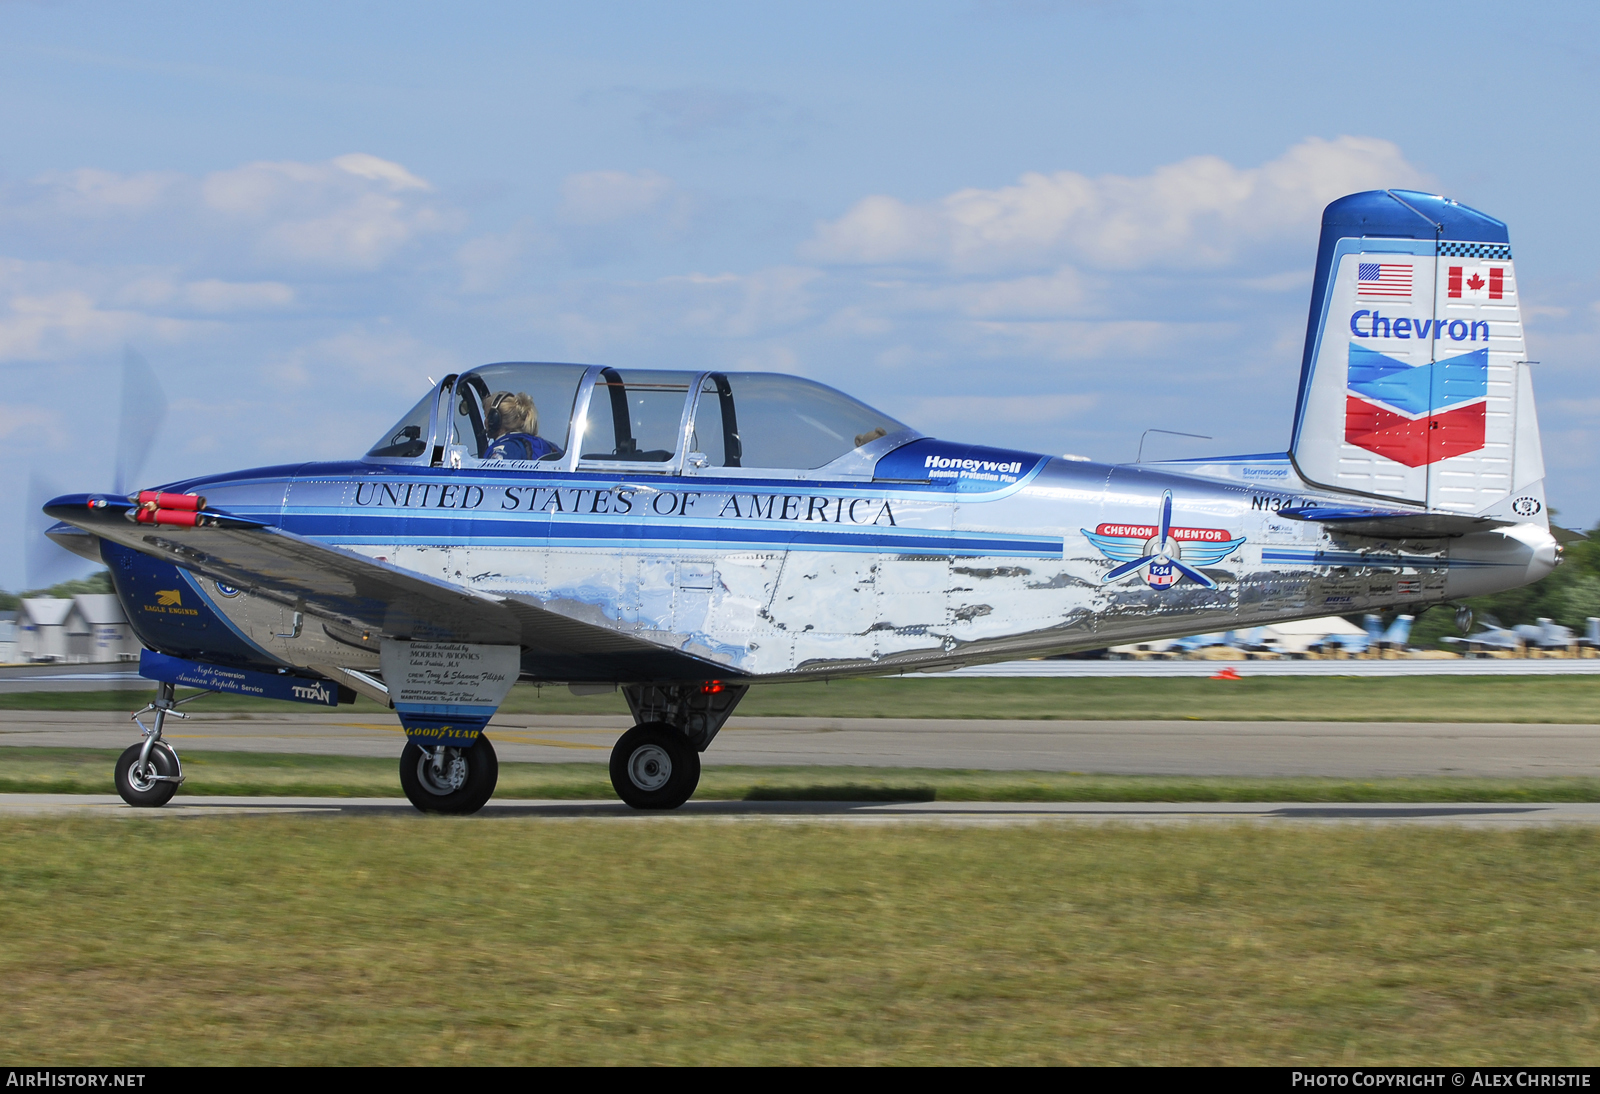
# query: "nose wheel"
{"type": "Point", "coordinates": [148, 774]}
{"type": "Point", "coordinates": [654, 766]}
{"type": "Point", "coordinates": [440, 779]}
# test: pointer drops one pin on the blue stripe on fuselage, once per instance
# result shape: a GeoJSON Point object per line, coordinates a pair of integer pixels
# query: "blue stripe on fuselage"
{"type": "Point", "coordinates": [343, 526]}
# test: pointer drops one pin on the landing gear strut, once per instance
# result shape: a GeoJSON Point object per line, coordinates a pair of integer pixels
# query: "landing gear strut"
{"type": "Point", "coordinates": [441, 779]}
{"type": "Point", "coordinates": [148, 774]}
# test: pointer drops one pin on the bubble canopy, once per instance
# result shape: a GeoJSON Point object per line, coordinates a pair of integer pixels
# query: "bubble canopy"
{"type": "Point", "coordinates": [572, 417]}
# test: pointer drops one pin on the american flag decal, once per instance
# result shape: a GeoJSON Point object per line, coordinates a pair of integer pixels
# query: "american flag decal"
{"type": "Point", "coordinates": [1385, 279]}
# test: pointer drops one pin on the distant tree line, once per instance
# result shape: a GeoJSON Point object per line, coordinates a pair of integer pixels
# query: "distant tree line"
{"type": "Point", "coordinates": [1570, 595]}
{"type": "Point", "coordinates": [94, 583]}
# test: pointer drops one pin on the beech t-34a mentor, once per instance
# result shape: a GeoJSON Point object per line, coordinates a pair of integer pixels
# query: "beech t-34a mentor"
{"type": "Point", "coordinates": [690, 535]}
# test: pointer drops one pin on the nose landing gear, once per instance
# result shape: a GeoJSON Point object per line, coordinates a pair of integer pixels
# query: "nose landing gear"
{"type": "Point", "coordinates": [441, 779]}
{"type": "Point", "coordinates": [148, 774]}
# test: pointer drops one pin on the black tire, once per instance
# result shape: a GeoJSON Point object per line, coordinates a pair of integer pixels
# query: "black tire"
{"type": "Point", "coordinates": [654, 766]}
{"type": "Point", "coordinates": [469, 778]}
{"type": "Point", "coordinates": [136, 788]}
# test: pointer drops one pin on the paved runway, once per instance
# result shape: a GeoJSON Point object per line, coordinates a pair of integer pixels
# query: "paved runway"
{"type": "Point", "coordinates": [1471, 815]}
{"type": "Point", "coordinates": [1343, 749]}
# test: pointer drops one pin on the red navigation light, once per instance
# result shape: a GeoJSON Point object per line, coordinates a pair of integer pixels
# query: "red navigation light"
{"type": "Point", "coordinates": [711, 688]}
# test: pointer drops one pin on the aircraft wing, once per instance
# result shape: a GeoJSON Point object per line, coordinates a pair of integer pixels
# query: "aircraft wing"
{"type": "Point", "coordinates": [349, 588]}
{"type": "Point", "coordinates": [1394, 523]}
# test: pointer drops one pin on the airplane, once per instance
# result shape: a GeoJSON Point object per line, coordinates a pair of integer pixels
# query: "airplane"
{"type": "Point", "coordinates": [1492, 637]}
{"type": "Point", "coordinates": [688, 535]}
{"type": "Point", "coordinates": [1545, 634]}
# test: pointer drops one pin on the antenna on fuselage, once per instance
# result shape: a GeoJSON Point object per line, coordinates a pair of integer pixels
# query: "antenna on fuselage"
{"type": "Point", "coordinates": [1171, 432]}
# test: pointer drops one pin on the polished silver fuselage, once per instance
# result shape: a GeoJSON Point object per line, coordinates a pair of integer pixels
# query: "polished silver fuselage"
{"type": "Point", "coordinates": [773, 577]}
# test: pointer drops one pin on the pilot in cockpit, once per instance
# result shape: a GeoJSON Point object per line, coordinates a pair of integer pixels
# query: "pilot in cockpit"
{"type": "Point", "coordinates": [512, 422]}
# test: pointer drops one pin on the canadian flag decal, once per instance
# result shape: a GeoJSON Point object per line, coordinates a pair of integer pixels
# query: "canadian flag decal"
{"type": "Point", "coordinates": [1476, 283]}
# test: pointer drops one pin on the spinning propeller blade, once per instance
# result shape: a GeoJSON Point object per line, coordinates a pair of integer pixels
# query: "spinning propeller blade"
{"type": "Point", "coordinates": [44, 562]}
{"type": "Point", "coordinates": [144, 405]}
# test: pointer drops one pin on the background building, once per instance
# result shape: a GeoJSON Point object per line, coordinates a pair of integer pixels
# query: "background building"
{"type": "Point", "coordinates": [41, 629]}
{"type": "Point", "coordinates": [97, 630]}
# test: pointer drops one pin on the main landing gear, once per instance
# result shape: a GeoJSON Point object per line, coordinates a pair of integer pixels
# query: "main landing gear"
{"type": "Point", "coordinates": [149, 774]}
{"type": "Point", "coordinates": [442, 779]}
{"type": "Point", "coordinates": [656, 764]}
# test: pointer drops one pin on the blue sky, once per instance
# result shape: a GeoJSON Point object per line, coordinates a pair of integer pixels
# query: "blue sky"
{"type": "Point", "coordinates": [1047, 225]}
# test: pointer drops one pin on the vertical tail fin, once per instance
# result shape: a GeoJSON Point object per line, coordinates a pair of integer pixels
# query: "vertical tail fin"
{"type": "Point", "coordinates": [1414, 384]}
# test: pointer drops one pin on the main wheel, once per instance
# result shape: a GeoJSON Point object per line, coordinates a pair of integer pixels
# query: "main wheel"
{"type": "Point", "coordinates": [141, 787]}
{"type": "Point", "coordinates": [462, 783]}
{"type": "Point", "coordinates": [653, 766]}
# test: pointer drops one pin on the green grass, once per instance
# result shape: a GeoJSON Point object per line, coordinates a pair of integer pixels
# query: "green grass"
{"type": "Point", "coordinates": [416, 940]}
{"type": "Point", "coordinates": [1563, 699]}
{"type": "Point", "coordinates": [88, 771]}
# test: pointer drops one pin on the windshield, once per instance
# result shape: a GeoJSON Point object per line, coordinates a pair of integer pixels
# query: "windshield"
{"type": "Point", "coordinates": [515, 411]}
{"type": "Point", "coordinates": [408, 438]}
{"type": "Point", "coordinates": [765, 419]}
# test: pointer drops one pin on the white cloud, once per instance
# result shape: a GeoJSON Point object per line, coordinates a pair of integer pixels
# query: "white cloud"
{"type": "Point", "coordinates": [1062, 292]}
{"type": "Point", "coordinates": [371, 167]}
{"type": "Point", "coordinates": [56, 325]}
{"type": "Point", "coordinates": [29, 420]}
{"type": "Point", "coordinates": [738, 306]}
{"type": "Point", "coordinates": [210, 295]}
{"type": "Point", "coordinates": [354, 212]}
{"type": "Point", "coordinates": [91, 192]}
{"type": "Point", "coordinates": [605, 197]}
{"type": "Point", "coordinates": [384, 360]}
{"type": "Point", "coordinates": [1200, 211]}
{"type": "Point", "coordinates": [933, 412]}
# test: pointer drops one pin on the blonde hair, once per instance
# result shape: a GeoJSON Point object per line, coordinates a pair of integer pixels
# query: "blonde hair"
{"type": "Point", "coordinates": [517, 412]}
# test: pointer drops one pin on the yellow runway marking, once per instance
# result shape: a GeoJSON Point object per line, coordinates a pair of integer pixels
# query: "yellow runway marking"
{"type": "Point", "coordinates": [545, 741]}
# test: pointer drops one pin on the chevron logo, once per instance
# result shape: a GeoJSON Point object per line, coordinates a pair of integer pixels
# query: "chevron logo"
{"type": "Point", "coordinates": [1416, 414]}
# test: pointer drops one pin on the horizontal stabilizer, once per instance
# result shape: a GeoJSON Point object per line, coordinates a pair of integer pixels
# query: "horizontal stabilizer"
{"type": "Point", "coordinates": [1393, 523]}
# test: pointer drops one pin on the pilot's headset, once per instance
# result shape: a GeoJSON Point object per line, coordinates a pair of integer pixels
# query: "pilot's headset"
{"type": "Point", "coordinates": [511, 412]}
{"type": "Point", "coordinates": [491, 416]}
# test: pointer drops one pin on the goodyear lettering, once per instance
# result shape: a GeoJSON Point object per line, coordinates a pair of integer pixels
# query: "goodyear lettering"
{"type": "Point", "coordinates": [1373, 324]}
{"type": "Point", "coordinates": [442, 731]}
